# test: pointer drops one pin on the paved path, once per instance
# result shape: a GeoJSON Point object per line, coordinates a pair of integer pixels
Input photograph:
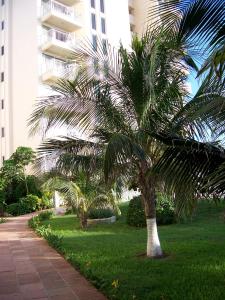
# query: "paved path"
{"type": "Point", "coordinates": [30, 269]}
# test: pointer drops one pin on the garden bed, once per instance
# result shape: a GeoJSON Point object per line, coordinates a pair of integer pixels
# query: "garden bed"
{"type": "Point", "coordinates": [109, 220]}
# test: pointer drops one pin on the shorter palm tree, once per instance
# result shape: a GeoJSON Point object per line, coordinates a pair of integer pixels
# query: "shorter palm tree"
{"type": "Point", "coordinates": [81, 196]}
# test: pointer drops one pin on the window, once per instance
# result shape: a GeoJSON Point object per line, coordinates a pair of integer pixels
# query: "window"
{"type": "Point", "coordinates": [96, 66]}
{"type": "Point", "coordinates": [3, 25]}
{"type": "Point", "coordinates": [104, 47]}
{"type": "Point", "coordinates": [102, 6]}
{"type": "Point", "coordinates": [103, 25]}
{"type": "Point", "coordinates": [2, 76]}
{"type": "Point", "coordinates": [2, 104]}
{"type": "Point", "coordinates": [106, 69]}
{"type": "Point", "coordinates": [3, 132]}
{"type": "Point", "coordinates": [3, 2]}
{"type": "Point", "coordinates": [94, 42]}
{"type": "Point", "coordinates": [93, 21]}
{"type": "Point", "coordinates": [2, 50]}
{"type": "Point", "coordinates": [93, 3]}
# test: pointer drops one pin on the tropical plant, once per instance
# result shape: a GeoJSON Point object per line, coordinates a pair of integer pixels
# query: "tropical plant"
{"type": "Point", "coordinates": [13, 172]}
{"type": "Point", "coordinates": [129, 110]}
{"type": "Point", "coordinates": [81, 198]}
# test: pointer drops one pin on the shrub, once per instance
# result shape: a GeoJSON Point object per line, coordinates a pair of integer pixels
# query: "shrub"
{"type": "Point", "coordinates": [31, 202]}
{"type": "Point", "coordinates": [45, 215]}
{"type": "Point", "coordinates": [135, 213]}
{"type": "Point", "coordinates": [2, 220]}
{"type": "Point", "coordinates": [164, 211]}
{"type": "Point", "coordinates": [26, 205]}
{"type": "Point", "coordinates": [17, 189]}
{"type": "Point", "coordinates": [100, 213]}
{"type": "Point", "coordinates": [46, 200]}
{"type": "Point", "coordinates": [16, 209]}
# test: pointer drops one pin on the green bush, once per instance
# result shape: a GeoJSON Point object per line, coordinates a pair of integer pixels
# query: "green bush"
{"type": "Point", "coordinates": [46, 200]}
{"type": "Point", "coordinates": [26, 205]}
{"type": "Point", "coordinates": [45, 215]}
{"type": "Point", "coordinates": [100, 213]}
{"type": "Point", "coordinates": [31, 202]}
{"type": "Point", "coordinates": [135, 213]}
{"type": "Point", "coordinates": [17, 189]}
{"type": "Point", "coordinates": [16, 209]}
{"type": "Point", "coordinates": [164, 211]}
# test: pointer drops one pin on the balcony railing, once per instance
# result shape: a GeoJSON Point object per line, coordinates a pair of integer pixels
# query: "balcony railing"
{"type": "Point", "coordinates": [58, 8]}
{"type": "Point", "coordinates": [59, 36]}
{"type": "Point", "coordinates": [54, 69]}
{"type": "Point", "coordinates": [59, 15]}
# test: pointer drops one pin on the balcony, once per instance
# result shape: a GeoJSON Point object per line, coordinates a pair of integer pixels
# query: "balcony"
{"type": "Point", "coordinates": [57, 43]}
{"type": "Point", "coordinates": [54, 69]}
{"type": "Point", "coordinates": [58, 15]}
{"type": "Point", "coordinates": [69, 2]}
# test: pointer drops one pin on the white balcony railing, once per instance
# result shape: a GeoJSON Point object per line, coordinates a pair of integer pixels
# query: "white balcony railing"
{"type": "Point", "coordinates": [58, 8]}
{"type": "Point", "coordinates": [57, 68]}
{"type": "Point", "coordinates": [53, 35]}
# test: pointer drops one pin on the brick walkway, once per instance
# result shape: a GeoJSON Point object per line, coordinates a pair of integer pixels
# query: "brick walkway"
{"type": "Point", "coordinates": [30, 269]}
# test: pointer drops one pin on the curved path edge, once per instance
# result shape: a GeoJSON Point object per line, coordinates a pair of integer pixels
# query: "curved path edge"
{"type": "Point", "coordinates": [31, 269]}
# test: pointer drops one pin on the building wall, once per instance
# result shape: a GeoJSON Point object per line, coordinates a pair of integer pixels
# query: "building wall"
{"type": "Point", "coordinates": [22, 62]}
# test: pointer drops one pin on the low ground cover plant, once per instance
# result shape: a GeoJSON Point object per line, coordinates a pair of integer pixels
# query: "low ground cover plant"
{"type": "Point", "coordinates": [46, 231]}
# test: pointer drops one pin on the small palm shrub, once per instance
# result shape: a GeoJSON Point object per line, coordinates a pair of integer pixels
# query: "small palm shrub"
{"type": "Point", "coordinates": [100, 213]}
{"type": "Point", "coordinates": [165, 212]}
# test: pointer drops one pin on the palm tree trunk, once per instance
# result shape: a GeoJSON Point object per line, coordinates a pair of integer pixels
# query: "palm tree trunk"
{"type": "Point", "coordinates": [147, 187]}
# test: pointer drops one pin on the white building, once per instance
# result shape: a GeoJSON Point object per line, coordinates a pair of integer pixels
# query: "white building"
{"type": "Point", "coordinates": [35, 41]}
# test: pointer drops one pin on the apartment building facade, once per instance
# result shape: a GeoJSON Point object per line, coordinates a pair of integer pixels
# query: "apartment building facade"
{"type": "Point", "coordinates": [36, 39]}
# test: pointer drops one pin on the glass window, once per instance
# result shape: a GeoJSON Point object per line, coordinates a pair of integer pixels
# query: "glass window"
{"type": "Point", "coordinates": [2, 76]}
{"type": "Point", "coordinates": [93, 3]}
{"type": "Point", "coordinates": [3, 132]}
{"type": "Point", "coordinates": [3, 25]}
{"type": "Point", "coordinates": [96, 66]}
{"type": "Point", "coordinates": [3, 2]}
{"type": "Point", "coordinates": [2, 50]}
{"type": "Point", "coordinates": [2, 104]}
{"type": "Point", "coordinates": [102, 6]}
{"type": "Point", "coordinates": [93, 21]}
{"type": "Point", "coordinates": [106, 69]}
{"type": "Point", "coordinates": [103, 25]}
{"type": "Point", "coordinates": [104, 47]}
{"type": "Point", "coordinates": [94, 42]}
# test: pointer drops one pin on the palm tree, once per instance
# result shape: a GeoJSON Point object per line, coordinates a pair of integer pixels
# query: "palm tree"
{"type": "Point", "coordinates": [138, 96]}
{"type": "Point", "coordinates": [80, 195]}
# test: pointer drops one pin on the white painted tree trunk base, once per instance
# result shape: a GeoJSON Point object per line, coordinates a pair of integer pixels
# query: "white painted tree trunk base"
{"type": "Point", "coordinates": [153, 243]}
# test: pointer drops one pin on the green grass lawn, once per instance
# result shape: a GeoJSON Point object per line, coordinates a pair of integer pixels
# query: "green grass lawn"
{"type": "Point", "coordinates": [193, 269]}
